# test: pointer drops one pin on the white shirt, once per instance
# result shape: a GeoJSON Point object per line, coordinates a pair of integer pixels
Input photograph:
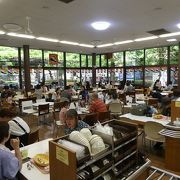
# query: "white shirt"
{"type": "Point", "coordinates": [15, 129]}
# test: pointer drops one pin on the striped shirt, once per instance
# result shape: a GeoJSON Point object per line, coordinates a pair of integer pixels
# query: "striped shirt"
{"type": "Point", "coordinates": [98, 106]}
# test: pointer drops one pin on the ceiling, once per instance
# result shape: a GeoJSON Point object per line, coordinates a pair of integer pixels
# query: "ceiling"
{"type": "Point", "coordinates": [130, 19]}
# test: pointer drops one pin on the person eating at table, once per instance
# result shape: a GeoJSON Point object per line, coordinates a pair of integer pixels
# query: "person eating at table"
{"type": "Point", "coordinates": [72, 123]}
{"type": "Point", "coordinates": [10, 163]}
{"type": "Point", "coordinates": [97, 105]}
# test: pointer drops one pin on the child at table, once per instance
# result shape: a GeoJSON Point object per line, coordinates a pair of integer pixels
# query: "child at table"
{"type": "Point", "coordinates": [64, 109]}
{"type": "Point", "coordinates": [10, 164]}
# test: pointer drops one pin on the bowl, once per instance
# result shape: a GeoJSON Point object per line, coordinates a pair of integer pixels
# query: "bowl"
{"type": "Point", "coordinates": [41, 159]}
{"type": "Point", "coordinates": [86, 133]}
{"type": "Point", "coordinates": [177, 123]}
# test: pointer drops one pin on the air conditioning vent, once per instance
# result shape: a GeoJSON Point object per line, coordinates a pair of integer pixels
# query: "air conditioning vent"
{"type": "Point", "coordinates": [158, 32]}
{"type": "Point", "coordinates": [66, 1]}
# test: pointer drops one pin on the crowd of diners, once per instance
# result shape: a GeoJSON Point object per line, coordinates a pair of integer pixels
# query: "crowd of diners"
{"type": "Point", "coordinates": [14, 130]}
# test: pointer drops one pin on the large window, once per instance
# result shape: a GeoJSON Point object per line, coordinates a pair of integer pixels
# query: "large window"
{"type": "Point", "coordinates": [86, 75]}
{"type": "Point", "coordinates": [83, 61]}
{"type": "Point", "coordinates": [89, 61]}
{"type": "Point", "coordinates": [8, 56]}
{"type": "Point", "coordinates": [174, 54]}
{"type": "Point", "coordinates": [103, 61]}
{"type": "Point", "coordinates": [54, 76]}
{"type": "Point", "coordinates": [101, 75]}
{"type": "Point", "coordinates": [138, 76]}
{"type": "Point", "coordinates": [154, 73]}
{"type": "Point", "coordinates": [36, 75]}
{"type": "Point", "coordinates": [117, 60]}
{"type": "Point", "coordinates": [156, 56]}
{"type": "Point", "coordinates": [9, 76]}
{"type": "Point", "coordinates": [135, 58]}
{"type": "Point", "coordinates": [97, 60]}
{"type": "Point", "coordinates": [174, 75]}
{"type": "Point", "coordinates": [115, 74]}
{"type": "Point", "coordinates": [49, 63]}
{"type": "Point", "coordinates": [72, 60]}
{"type": "Point", "coordinates": [35, 57]}
{"type": "Point", "coordinates": [130, 74]}
{"type": "Point", "coordinates": [72, 75]}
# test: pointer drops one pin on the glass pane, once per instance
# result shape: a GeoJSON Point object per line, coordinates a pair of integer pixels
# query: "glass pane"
{"type": "Point", "coordinates": [154, 73]}
{"type": "Point", "coordinates": [86, 75]}
{"type": "Point", "coordinates": [174, 75]}
{"type": "Point", "coordinates": [129, 74]}
{"type": "Point", "coordinates": [174, 54]}
{"type": "Point", "coordinates": [35, 57]}
{"type": "Point", "coordinates": [138, 78]}
{"type": "Point", "coordinates": [117, 60]}
{"type": "Point", "coordinates": [89, 61]}
{"type": "Point", "coordinates": [8, 56]}
{"type": "Point", "coordinates": [156, 56]}
{"type": "Point", "coordinates": [48, 63]}
{"type": "Point", "coordinates": [83, 60]}
{"type": "Point", "coordinates": [72, 60]}
{"type": "Point", "coordinates": [36, 76]}
{"type": "Point", "coordinates": [135, 58]}
{"type": "Point", "coordinates": [103, 61]}
{"type": "Point", "coordinates": [97, 60]}
{"type": "Point", "coordinates": [101, 75]}
{"type": "Point", "coordinates": [54, 76]}
{"type": "Point", "coordinates": [72, 75]}
{"type": "Point", "coordinates": [117, 73]}
{"type": "Point", "coordinates": [9, 76]}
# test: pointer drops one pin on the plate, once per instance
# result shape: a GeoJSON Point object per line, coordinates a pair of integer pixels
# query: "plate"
{"type": "Point", "coordinates": [41, 159]}
{"type": "Point", "coordinates": [158, 116]}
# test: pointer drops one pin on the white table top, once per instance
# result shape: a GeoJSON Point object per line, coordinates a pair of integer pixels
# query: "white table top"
{"type": "Point", "coordinates": [144, 119]}
{"type": "Point", "coordinates": [42, 103]}
{"type": "Point", "coordinates": [33, 149]}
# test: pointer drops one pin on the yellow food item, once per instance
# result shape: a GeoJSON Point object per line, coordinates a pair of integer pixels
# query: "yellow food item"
{"type": "Point", "coordinates": [41, 159]}
{"type": "Point", "coordinates": [158, 116]}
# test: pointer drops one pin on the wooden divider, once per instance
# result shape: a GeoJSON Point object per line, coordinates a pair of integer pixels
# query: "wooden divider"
{"type": "Point", "coordinates": [175, 110]}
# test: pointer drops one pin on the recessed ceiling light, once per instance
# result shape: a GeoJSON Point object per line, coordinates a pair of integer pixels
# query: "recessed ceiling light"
{"type": "Point", "coordinates": [171, 40]}
{"type": "Point", "coordinates": [2, 32]}
{"type": "Point", "coordinates": [146, 38]}
{"type": "Point", "coordinates": [47, 39]}
{"type": "Point", "coordinates": [100, 25]}
{"type": "Point", "coordinates": [21, 35]}
{"type": "Point", "coordinates": [178, 25]}
{"type": "Point", "coordinates": [170, 34]}
{"type": "Point", "coordinates": [105, 45]}
{"type": "Point", "coordinates": [123, 42]}
{"type": "Point", "coordinates": [69, 42]}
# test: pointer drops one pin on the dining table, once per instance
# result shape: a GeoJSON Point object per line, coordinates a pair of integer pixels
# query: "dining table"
{"type": "Point", "coordinates": [32, 173]}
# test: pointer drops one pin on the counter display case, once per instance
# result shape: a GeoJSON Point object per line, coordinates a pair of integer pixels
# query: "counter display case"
{"type": "Point", "coordinates": [120, 160]}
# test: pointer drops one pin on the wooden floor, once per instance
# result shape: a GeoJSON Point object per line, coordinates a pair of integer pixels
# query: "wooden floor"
{"type": "Point", "coordinates": [157, 156]}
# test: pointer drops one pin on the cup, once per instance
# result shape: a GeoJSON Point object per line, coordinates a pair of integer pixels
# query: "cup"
{"type": "Point", "coordinates": [24, 153]}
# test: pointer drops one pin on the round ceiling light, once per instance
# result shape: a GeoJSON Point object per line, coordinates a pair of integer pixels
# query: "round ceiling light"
{"type": "Point", "coordinates": [12, 27]}
{"type": "Point", "coordinates": [100, 25]}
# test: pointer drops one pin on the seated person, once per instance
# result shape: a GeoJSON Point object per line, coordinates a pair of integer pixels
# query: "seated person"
{"type": "Point", "coordinates": [128, 87]}
{"type": "Point", "coordinates": [64, 109]}
{"type": "Point", "coordinates": [18, 127]}
{"type": "Point", "coordinates": [10, 164]}
{"type": "Point", "coordinates": [97, 105]}
{"type": "Point", "coordinates": [83, 96]}
{"type": "Point", "coordinates": [169, 87]}
{"type": "Point", "coordinates": [114, 98]}
{"type": "Point", "coordinates": [72, 123]}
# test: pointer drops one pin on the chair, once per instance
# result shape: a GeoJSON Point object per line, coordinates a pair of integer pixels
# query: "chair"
{"type": "Point", "coordinates": [27, 107]}
{"type": "Point", "coordinates": [116, 109]}
{"type": "Point", "coordinates": [103, 116]}
{"type": "Point", "coordinates": [153, 102]}
{"type": "Point", "coordinates": [90, 119]}
{"type": "Point", "coordinates": [56, 110]}
{"type": "Point", "coordinates": [33, 136]}
{"type": "Point", "coordinates": [151, 132]}
{"type": "Point", "coordinates": [122, 98]}
{"type": "Point", "coordinates": [43, 110]}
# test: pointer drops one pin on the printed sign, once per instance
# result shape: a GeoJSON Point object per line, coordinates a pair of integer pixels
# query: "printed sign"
{"type": "Point", "coordinates": [62, 155]}
{"type": "Point", "coordinates": [53, 59]}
